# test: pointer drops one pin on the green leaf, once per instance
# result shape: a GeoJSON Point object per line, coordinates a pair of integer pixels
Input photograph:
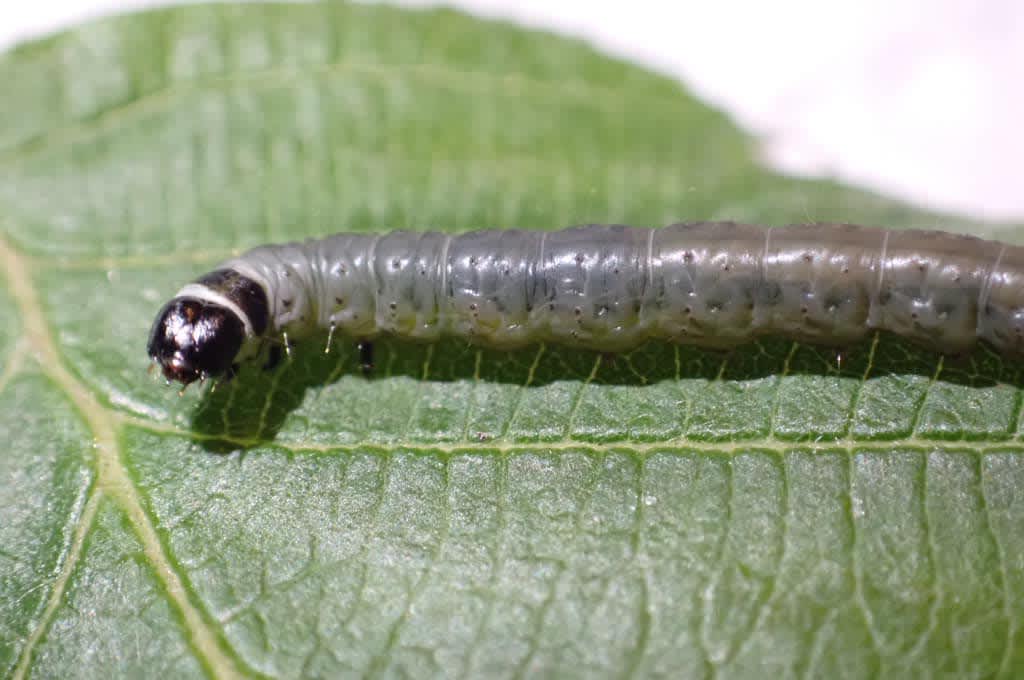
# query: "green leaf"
{"type": "Point", "coordinates": [773, 511]}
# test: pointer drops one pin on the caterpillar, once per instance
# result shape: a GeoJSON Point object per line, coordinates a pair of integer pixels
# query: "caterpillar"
{"type": "Point", "coordinates": [600, 287]}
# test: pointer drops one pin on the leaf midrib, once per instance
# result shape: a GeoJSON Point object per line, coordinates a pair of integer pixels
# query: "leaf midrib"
{"type": "Point", "coordinates": [112, 480]}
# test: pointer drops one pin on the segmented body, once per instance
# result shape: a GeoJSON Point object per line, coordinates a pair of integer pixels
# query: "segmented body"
{"type": "Point", "coordinates": [612, 287]}
{"type": "Point", "coordinates": [607, 288]}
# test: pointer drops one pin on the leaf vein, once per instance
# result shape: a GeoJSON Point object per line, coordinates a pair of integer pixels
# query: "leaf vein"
{"type": "Point", "coordinates": [1004, 578]}
{"type": "Point", "coordinates": [112, 477]}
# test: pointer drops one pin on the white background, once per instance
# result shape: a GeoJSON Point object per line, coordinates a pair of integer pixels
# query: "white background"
{"type": "Point", "coordinates": [921, 99]}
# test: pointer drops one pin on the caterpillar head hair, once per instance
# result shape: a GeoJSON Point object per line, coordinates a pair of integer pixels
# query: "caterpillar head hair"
{"type": "Point", "coordinates": [193, 339]}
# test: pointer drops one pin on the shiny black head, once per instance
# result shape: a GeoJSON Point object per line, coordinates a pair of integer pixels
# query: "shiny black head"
{"type": "Point", "coordinates": [192, 339]}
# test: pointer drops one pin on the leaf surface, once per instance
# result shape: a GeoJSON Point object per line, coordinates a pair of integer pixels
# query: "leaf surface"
{"type": "Point", "coordinates": [778, 509]}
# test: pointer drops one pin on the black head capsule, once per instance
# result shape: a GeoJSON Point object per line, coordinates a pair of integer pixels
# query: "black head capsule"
{"type": "Point", "coordinates": [193, 339]}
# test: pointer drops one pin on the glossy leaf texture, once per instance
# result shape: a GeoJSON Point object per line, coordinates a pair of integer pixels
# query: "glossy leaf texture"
{"type": "Point", "coordinates": [781, 510]}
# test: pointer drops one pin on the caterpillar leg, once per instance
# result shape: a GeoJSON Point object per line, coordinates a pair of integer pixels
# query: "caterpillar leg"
{"type": "Point", "coordinates": [365, 357]}
{"type": "Point", "coordinates": [276, 351]}
{"type": "Point", "coordinates": [274, 356]}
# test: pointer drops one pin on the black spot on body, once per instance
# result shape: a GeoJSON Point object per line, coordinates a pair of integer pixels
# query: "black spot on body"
{"type": "Point", "coordinates": [770, 293]}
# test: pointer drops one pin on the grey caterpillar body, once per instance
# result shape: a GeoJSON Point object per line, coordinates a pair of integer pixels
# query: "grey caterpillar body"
{"type": "Point", "coordinates": [607, 288]}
